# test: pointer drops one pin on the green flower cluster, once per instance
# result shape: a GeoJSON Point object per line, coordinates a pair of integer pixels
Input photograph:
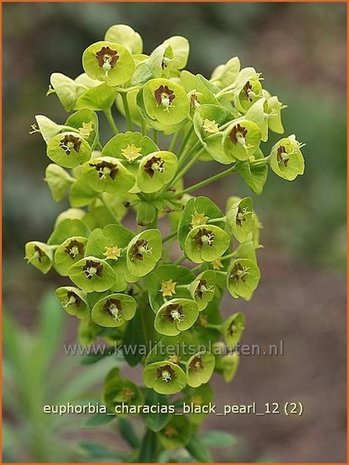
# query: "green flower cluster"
{"type": "Point", "coordinates": [123, 284]}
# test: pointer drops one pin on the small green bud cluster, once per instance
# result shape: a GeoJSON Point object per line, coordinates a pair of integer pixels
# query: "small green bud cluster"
{"type": "Point", "coordinates": [121, 282]}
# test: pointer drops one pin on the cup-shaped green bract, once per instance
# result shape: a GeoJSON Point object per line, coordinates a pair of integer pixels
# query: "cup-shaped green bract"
{"type": "Point", "coordinates": [39, 255]}
{"type": "Point", "coordinates": [198, 396]}
{"type": "Point", "coordinates": [250, 92]}
{"type": "Point", "coordinates": [208, 121]}
{"type": "Point", "coordinates": [58, 181]}
{"type": "Point", "coordinates": [69, 252]}
{"type": "Point", "coordinates": [258, 114]}
{"type": "Point", "coordinates": [175, 316]}
{"type": "Point", "coordinates": [113, 310]}
{"type": "Point", "coordinates": [165, 101]}
{"type": "Point", "coordinates": [233, 329]}
{"type": "Point", "coordinates": [200, 368]}
{"type": "Point", "coordinates": [68, 227]}
{"type": "Point", "coordinates": [109, 62]}
{"type": "Point", "coordinates": [92, 274]}
{"type": "Point", "coordinates": [198, 211]}
{"type": "Point", "coordinates": [109, 244]}
{"type": "Point", "coordinates": [164, 377]}
{"type": "Point", "coordinates": [255, 175]}
{"type": "Point", "coordinates": [143, 252]}
{"type": "Point", "coordinates": [273, 107]}
{"type": "Point", "coordinates": [156, 170]}
{"type": "Point", "coordinates": [86, 123]}
{"type": "Point", "coordinates": [107, 174]}
{"type": "Point", "coordinates": [100, 97]}
{"type": "Point", "coordinates": [88, 331]}
{"type": "Point", "coordinates": [286, 159]}
{"type": "Point", "coordinates": [73, 301]}
{"type": "Point", "coordinates": [166, 282]}
{"type": "Point", "coordinates": [68, 149]}
{"type": "Point", "coordinates": [243, 276]}
{"type": "Point", "coordinates": [203, 288]}
{"type": "Point", "coordinates": [65, 88]}
{"type": "Point", "coordinates": [177, 433]}
{"type": "Point", "coordinates": [125, 35]}
{"type": "Point", "coordinates": [206, 243]}
{"type": "Point", "coordinates": [180, 51]}
{"type": "Point", "coordinates": [225, 75]}
{"type": "Point", "coordinates": [228, 365]}
{"type": "Point", "coordinates": [241, 139]}
{"type": "Point", "coordinates": [239, 217]}
{"type": "Point", "coordinates": [118, 390]}
{"type": "Point", "coordinates": [46, 127]}
{"type": "Point", "coordinates": [130, 147]}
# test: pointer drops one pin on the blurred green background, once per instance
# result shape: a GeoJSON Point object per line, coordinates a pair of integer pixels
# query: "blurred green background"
{"type": "Point", "coordinates": [301, 50]}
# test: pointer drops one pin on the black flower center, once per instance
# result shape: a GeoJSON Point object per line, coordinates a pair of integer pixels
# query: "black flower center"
{"type": "Point", "coordinates": [238, 134]}
{"type": "Point", "coordinates": [164, 96]}
{"type": "Point", "coordinates": [39, 254]}
{"type": "Point", "coordinates": [105, 169]}
{"type": "Point", "coordinates": [74, 248]}
{"type": "Point", "coordinates": [73, 299]}
{"type": "Point", "coordinates": [196, 364]}
{"type": "Point", "coordinates": [174, 312]}
{"type": "Point", "coordinates": [166, 373]}
{"type": "Point", "coordinates": [203, 237]}
{"type": "Point", "coordinates": [92, 268]}
{"type": "Point", "coordinates": [201, 288]}
{"type": "Point", "coordinates": [113, 307]}
{"type": "Point", "coordinates": [239, 273]}
{"type": "Point", "coordinates": [107, 56]}
{"type": "Point", "coordinates": [154, 164]}
{"type": "Point", "coordinates": [139, 249]}
{"type": "Point", "coordinates": [282, 156]}
{"type": "Point", "coordinates": [70, 142]}
{"type": "Point", "coordinates": [247, 91]}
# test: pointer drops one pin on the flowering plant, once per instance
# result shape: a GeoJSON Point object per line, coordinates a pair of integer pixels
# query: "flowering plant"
{"type": "Point", "coordinates": [124, 286]}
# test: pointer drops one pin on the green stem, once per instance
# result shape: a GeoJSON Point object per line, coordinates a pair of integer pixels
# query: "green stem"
{"type": "Point", "coordinates": [185, 141]}
{"type": "Point", "coordinates": [180, 260]}
{"type": "Point", "coordinates": [127, 111]}
{"type": "Point", "coordinates": [192, 157]}
{"type": "Point", "coordinates": [111, 121]}
{"type": "Point", "coordinates": [208, 181]}
{"type": "Point", "coordinates": [173, 141]}
{"type": "Point", "coordinates": [102, 199]}
{"type": "Point", "coordinates": [155, 136]}
{"type": "Point", "coordinates": [169, 237]}
{"type": "Point", "coordinates": [149, 448]}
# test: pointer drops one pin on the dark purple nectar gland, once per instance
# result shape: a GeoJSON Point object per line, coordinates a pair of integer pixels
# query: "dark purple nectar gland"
{"type": "Point", "coordinates": [74, 248]}
{"type": "Point", "coordinates": [174, 312]}
{"type": "Point", "coordinates": [107, 59]}
{"type": "Point", "coordinates": [139, 249]}
{"type": "Point", "coordinates": [196, 364]}
{"type": "Point", "coordinates": [114, 308]}
{"type": "Point", "coordinates": [248, 91]}
{"type": "Point", "coordinates": [203, 237]}
{"type": "Point", "coordinates": [105, 169]}
{"type": "Point", "coordinates": [241, 216]}
{"type": "Point", "coordinates": [239, 273]}
{"type": "Point", "coordinates": [194, 101]}
{"type": "Point", "coordinates": [73, 299]}
{"type": "Point", "coordinates": [282, 156]}
{"type": "Point", "coordinates": [70, 142]}
{"type": "Point", "coordinates": [127, 394]}
{"type": "Point", "coordinates": [232, 328]}
{"type": "Point", "coordinates": [166, 373]}
{"type": "Point", "coordinates": [201, 288]}
{"type": "Point", "coordinates": [164, 96]}
{"type": "Point", "coordinates": [238, 134]}
{"type": "Point", "coordinates": [154, 165]}
{"type": "Point", "coordinates": [92, 269]}
{"type": "Point", "coordinates": [39, 254]}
